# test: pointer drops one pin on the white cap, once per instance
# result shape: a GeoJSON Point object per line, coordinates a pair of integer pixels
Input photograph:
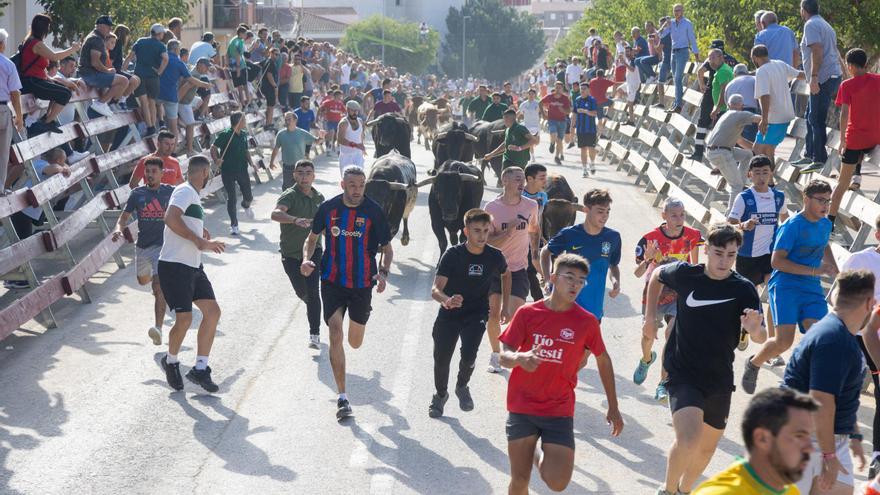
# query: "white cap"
{"type": "Point", "coordinates": [157, 29]}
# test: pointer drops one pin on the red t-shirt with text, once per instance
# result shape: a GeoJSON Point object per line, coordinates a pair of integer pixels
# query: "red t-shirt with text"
{"type": "Point", "coordinates": [557, 106]}
{"type": "Point", "coordinates": [171, 173]}
{"type": "Point", "coordinates": [549, 390]}
{"type": "Point", "coordinates": [599, 89]}
{"type": "Point", "coordinates": [862, 94]}
{"type": "Point", "coordinates": [334, 110]}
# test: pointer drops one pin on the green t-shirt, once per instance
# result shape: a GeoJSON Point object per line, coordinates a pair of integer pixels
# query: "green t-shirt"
{"type": "Point", "coordinates": [293, 144]}
{"type": "Point", "coordinates": [516, 135]}
{"type": "Point", "coordinates": [478, 105]}
{"type": "Point", "coordinates": [464, 102]}
{"type": "Point", "coordinates": [235, 158]}
{"type": "Point", "coordinates": [494, 112]}
{"type": "Point", "coordinates": [235, 52]}
{"type": "Point", "coordinates": [723, 75]}
{"type": "Point", "coordinates": [298, 205]}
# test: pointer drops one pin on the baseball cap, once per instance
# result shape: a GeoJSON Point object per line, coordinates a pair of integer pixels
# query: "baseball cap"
{"type": "Point", "coordinates": [104, 19]}
{"type": "Point", "coordinates": [157, 29]}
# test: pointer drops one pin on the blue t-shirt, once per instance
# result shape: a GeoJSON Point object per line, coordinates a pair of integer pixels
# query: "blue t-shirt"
{"type": "Point", "coordinates": [539, 197]}
{"type": "Point", "coordinates": [602, 251]}
{"type": "Point", "coordinates": [169, 81]}
{"type": "Point", "coordinates": [642, 45]}
{"type": "Point", "coordinates": [586, 124]}
{"type": "Point", "coordinates": [805, 242]}
{"type": "Point", "coordinates": [828, 359]}
{"type": "Point", "coordinates": [149, 56]}
{"type": "Point", "coordinates": [149, 207]}
{"type": "Point", "coordinates": [304, 118]}
{"type": "Point", "coordinates": [780, 42]}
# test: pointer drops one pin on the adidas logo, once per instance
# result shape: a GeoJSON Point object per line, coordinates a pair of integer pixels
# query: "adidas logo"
{"type": "Point", "coordinates": [152, 210]}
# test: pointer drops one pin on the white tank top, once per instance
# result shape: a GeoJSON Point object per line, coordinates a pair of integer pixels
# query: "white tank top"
{"type": "Point", "coordinates": [352, 135]}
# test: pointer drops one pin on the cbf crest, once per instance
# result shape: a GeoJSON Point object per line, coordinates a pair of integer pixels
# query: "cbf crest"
{"type": "Point", "coordinates": [606, 249]}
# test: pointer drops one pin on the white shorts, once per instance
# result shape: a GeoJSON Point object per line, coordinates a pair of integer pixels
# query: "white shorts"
{"type": "Point", "coordinates": [814, 468]}
{"type": "Point", "coordinates": [147, 261]}
{"type": "Point", "coordinates": [347, 158]}
{"type": "Point", "coordinates": [185, 114]}
{"type": "Point", "coordinates": [632, 90]}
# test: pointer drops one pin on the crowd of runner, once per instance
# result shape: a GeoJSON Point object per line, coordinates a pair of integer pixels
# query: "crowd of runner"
{"type": "Point", "coordinates": [804, 434]}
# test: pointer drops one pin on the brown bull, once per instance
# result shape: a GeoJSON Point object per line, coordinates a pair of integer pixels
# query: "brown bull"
{"type": "Point", "coordinates": [428, 120]}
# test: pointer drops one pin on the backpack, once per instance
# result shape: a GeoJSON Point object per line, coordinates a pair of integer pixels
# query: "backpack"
{"type": "Point", "coordinates": [17, 58]}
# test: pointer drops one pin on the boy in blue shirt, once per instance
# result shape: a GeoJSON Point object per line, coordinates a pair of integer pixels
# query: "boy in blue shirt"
{"type": "Point", "coordinates": [583, 121]}
{"type": "Point", "coordinates": [305, 119]}
{"type": "Point", "coordinates": [801, 254]}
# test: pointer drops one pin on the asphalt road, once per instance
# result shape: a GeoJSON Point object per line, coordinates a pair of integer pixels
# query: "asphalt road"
{"type": "Point", "coordinates": [85, 408]}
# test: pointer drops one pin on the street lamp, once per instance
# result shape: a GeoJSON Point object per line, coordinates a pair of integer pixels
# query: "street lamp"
{"type": "Point", "coordinates": [463, 45]}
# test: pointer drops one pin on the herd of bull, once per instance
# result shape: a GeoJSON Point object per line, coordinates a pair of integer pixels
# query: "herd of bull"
{"type": "Point", "coordinates": [457, 184]}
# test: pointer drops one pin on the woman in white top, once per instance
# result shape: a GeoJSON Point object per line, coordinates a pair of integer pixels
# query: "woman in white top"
{"type": "Point", "coordinates": [350, 137]}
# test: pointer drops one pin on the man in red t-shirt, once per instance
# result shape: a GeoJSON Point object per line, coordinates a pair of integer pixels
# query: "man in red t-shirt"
{"type": "Point", "coordinates": [332, 111]}
{"type": "Point", "coordinates": [171, 175]}
{"type": "Point", "coordinates": [599, 90]}
{"type": "Point", "coordinates": [546, 344]}
{"type": "Point", "coordinates": [859, 107]}
{"type": "Point", "coordinates": [555, 109]}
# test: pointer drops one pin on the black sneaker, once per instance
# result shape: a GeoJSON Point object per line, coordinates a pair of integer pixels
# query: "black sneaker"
{"type": "Point", "coordinates": [172, 374]}
{"type": "Point", "coordinates": [435, 410]}
{"type": "Point", "coordinates": [202, 378]}
{"type": "Point", "coordinates": [465, 402]}
{"type": "Point", "coordinates": [697, 157]}
{"type": "Point", "coordinates": [874, 468]}
{"type": "Point", "coordinates": [812, 167]}
{"type": "Point", "coordinates": [54, 126]}
{"type": "Point", "coordinates": [570, 145]}
{"type": "Point", "coordinates": [343, 409]}
{"type": "Point", "coordinates": [552, 146]}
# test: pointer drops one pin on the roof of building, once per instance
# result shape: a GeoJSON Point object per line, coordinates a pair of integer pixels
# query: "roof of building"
{"type": "Point", "coordinates": [318, 24]}
{"type": "Point", "coordinates": [557, 6]}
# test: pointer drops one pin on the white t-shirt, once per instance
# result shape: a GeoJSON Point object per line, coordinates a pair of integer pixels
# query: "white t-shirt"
{"type": "Point", "coordinates": [772, 79]}
{"type": "Point", "coordinates": [374, 80]}
{"type": "Point", "coordinates": [765, 209]}
{"type": "Point", "coordinates": [869, 259]}
{"type": "Point", "coordinates": [588, 43]}
{"type": "Point", "coordinates": [572, 74]}
{"type": "Point", "coordinates": [531, 115]}
{"type": "Point", "coordinates": [633, 78]}
{"type": "Point", "coordinates": [345, 75]}
{"type": "Point", "coordinates": [175, 248]}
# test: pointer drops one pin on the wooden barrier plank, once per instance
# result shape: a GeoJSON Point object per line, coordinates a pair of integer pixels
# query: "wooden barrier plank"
{"type": "Point", "coordinates": [703, 174]}
{"type": "Point", "coordinates": [619, 151]}
{"type": "Point", "coordinates": [694, 208]}
{"type": "Point", "coordinates": [13, 203]}
{"type": "Point", "coordinates": [681, 124]}
{"type": "Point", "coordinates": [58, 183]}
{"type": "Point", "coordinates": [670, 152]}
{"type": "Point", "coordinates": [68, 228]}
{"type": "Point", "coordinates": [37, 145]}
{"type": "Point", "coordinates": [656, 178]}
{"type": "Point", "coordinates": [77, 276]}
{"type": "Point", "coordinates": [113, 159]}
{"type": "Point", "coordinates": [692, 96]}
{"type": "Point", "coordinates": [856, 205]}
{"type": "Point", "coordinates": [101, 125]}
{"type": "Point", "coordinates": [659, 115]}
{"type": "Point", "coordinates": [15, 255]}
{"type": "Point", "coordinates": [649, 138]}
{"type": "Point", "coordinates": [218, 125]}
{"type": "Point", "coordinates": [29, 306]}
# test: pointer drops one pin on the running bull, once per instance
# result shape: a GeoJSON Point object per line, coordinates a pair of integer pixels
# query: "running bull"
{"type": "Point", "coordinates": [455, 188]}
{"type": "Point", "coordinates": [391, 131]}
{"type": "Point", "coordinates": [392, 184]}
{"type": "Point", "coordinates": [453, 142]}
{"type": "Point", "coordinates": [489, 136]}
{"type": "Point", "coordinates": [561, 207]}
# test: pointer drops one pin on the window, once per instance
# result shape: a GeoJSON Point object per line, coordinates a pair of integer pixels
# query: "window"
{"type": "Point", "coordinates": [552, 16]}
{"type": "Point", "coordinates": [569, 16]}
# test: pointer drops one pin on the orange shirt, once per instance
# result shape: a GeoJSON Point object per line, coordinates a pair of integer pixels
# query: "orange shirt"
{"type": "Point", "coordinates": [171, 174]}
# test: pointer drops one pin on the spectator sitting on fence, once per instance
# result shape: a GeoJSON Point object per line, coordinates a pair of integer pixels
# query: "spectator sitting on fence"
{"type": "Point", "coordinates": [151, 59]}
{"type": "Point", "coordinates": [115, 43]}
{"type": "Point", "coordinates": [97, 70]}
{"type": "Point", "coordinates": [194, 97]}
{"type": "Point", "coordinates": [237, 67]}
{"type": "Point", "coordinates": [169, 83]}
{"type": "Point", "coordinates": [204, 48]}
{"type": "Point", "coordinates": [171, 175]}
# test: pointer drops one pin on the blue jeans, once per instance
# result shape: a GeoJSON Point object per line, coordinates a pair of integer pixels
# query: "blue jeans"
{"type": "Point", "coordinates": [817, 114]}
{"type": "Point", "coordinates": [679, 61]}
{"type": "Point", "coordinates": [646, 66]}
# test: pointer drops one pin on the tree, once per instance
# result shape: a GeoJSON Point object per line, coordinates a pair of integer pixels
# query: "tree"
{"type": "Point", "coordinates": [501, 42]}
{"type": "Point", "coordinates": [73, 20]}
{"type": "Point", "coordinates": [403, 48]}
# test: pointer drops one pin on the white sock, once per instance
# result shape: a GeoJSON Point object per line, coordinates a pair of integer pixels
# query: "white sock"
{"type": "Point", "coordinates": [342, 396]}
{"type": "Point", "coordinates": [201, 362]}
{"type": "Point", "coordinates": [171, 358]}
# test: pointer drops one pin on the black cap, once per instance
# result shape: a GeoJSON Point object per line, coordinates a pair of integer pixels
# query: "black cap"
{"type": "Point", "coordinates": [104, 19]}
{"type": "Point", "coordinates": [717, 44]}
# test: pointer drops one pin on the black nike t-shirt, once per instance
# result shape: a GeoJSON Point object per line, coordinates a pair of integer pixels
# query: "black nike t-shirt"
{"type": "Point", "coordinates": [700, 350]}
{"type": "Point", "coordinates": [470, 275]}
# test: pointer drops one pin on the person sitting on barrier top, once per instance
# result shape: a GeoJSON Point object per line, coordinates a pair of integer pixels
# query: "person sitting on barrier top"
{"type": "Point", "coordinates": [722, 142]}
{"type": "Point", "coordinates": [115, 43]}
{"type": "Point", "coordinates": [96, 69]}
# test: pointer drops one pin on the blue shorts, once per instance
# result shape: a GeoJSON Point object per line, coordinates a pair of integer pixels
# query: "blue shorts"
{"type": "Point", "coordinates": [99, 80]}
{"type": "Point", "coordinates": [775, 135]}
{"type": "Point", "coordinates": [792, 307]}
{"type": "Point", "coordinates": [331, 126]}
{"type": "Point", "coordinates": [557, 127]}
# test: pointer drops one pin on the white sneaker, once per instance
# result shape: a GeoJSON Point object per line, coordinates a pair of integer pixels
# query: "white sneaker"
{"type": "Point", "coordinates": [234, 230]}
{"type": "Point", "coordinates": [156, 335]}
{"type": "Point", "coordinates": [585, 174]}
{"type": "Point", "coordinates": [76, 156]}
{"type": "Point", "coordinates": [249, 213]}
{"type": "Point", "coordinates": [593, 168]}
{"type": "Point", "coordinates": [102, 108]}
{"type": "Point", "coordinates": [314, 342]}
{"type": "Point", "coordinates": [494, 363]}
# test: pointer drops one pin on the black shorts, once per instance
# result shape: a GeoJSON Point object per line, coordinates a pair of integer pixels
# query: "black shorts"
{"type": "Point", "coordinates": [754, 268]}
{"type": "Point", "coordinates": [715, 407]}
{"type": "Point", "coordinates": [269, 93]}
{"type": "Point", "coordinates": [356, 301]}
{"type": "Point", "coordinates": [586, 140]}
{"type": "Point", "coordinates": [149, 86]}
{"type": "Point", "coordinates": [550, 429]}
{"type": "Point", "coordinates": [853, 157]}
{"type": "Point", "coordinates": [182, 284]}
{"type": "Point", "coordinates": [519, 284]}
{"type": "Point", "coordinates": [241, 79]}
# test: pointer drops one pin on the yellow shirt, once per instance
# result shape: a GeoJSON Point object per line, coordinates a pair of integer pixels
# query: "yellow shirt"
{"type": "Point", "coordinates": [740, 479]}
{"type": "Point", "coordinates": [296, 79]}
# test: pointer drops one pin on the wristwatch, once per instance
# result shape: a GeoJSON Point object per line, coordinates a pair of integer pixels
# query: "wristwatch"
{"type": "Point", "coordinates": [856, 436]}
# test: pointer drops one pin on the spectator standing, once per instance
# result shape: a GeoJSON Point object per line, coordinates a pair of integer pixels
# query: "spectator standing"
{"type": "Point", "coordinates": [175, 25]}
{"type": "Point", "coordinates": [771, 91]}
{"type": "Point", "coordinates": [97, 71]}
{"type": "Point", "coordinates": [151, 59]}
{"type": "Point", "coordinates": [573, 72]}
{"type": "Point", "coordinates": [203, 48]}
{"type": "Point", "coordinates": [684, 41]}
{"type": "Point", "coordinates": [779, 40]}
{"type": "Point", "coordinates": [710, 104]}
{"type": "Point", "coordinates": [194, 93]}
{"type": "Point", "coordinates": [297, 78]}
{"type": "Point", "coordinates": [588, 44]}
{"type": "Point", "coordinates": [270, 85]}
{"type": "Point", "coordinates": [230, 152]}
{"type": "Point", "coordinates": [10, 91]}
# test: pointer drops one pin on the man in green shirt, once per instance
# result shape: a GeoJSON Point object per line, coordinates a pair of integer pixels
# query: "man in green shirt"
{"type": "Point", "coordinates": [463, 102]}
{"type": "Point", "coordinates": [517, 143]}
{"type": "Point", "coordinates": [230, 153]}
{"type": "Point", "coordinates": [236, 62]}
{"type": "Point", "coordinates": [292, 141]}
{"type": "Point", "coordinates": [295, 209]}
{"type": "Point", "coordinates": [495, 109]}
{"type": "Point", "coordinates": [478, 105]}
{"type": "Point", "coordinates": [723, 75]}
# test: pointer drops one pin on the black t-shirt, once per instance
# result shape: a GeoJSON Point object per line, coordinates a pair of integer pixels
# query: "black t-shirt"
{"type": "Point", "coordinates": [700, 350]}
{"type": "Point", "coordinates": [470, 275]}
{"type": "Point", "coordinates": [270, 68]}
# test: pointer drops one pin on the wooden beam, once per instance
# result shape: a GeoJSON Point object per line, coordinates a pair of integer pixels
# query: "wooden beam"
{"type": "Point", "coordinates": [58, 184]}
{"type": "Point", "coordinates": [13, 203]}
{"type": "Point", "coordinates": [29, 306]}
{"type": "Point", "coordinates": [15, 255]}
{"type": "Point", "coordinates": [77, 276]}
{"type": "Point", "coordinates": [37, 145]}
{"type": "Point", "coordinates": [121, 156]}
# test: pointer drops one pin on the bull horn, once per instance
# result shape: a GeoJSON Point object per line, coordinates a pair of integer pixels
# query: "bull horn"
{"type": "Point", "coordinates": [471, 137]}
{"type": "Point", "coordinates": [469, 177]}
{"type": "Point", "coordinates": [441, 135]}
{"type": "Point", "coordinates": [499, 131]}
{"type": "Point", "coordinates": [424, 182]}
{"type": "Point", "coordinates": [371, 123]}
{"type": "Point", "coordinates": [397, 186]}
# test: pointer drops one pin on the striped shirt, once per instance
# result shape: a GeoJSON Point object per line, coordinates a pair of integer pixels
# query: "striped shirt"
{"type": "Point", "coordinates": [586, 124]}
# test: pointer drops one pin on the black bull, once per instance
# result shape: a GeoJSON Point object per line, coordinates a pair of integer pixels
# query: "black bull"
{"type": "Point", "coordinates": [489, 136]}
{"type": "Point", "coordinates": [391, 131]}
{"type": "Point", "coordinates": [453, 142]}
{"type": "Point", "coordinates": [392, 184]}
{"type": "Point", "coordinates": [560, 210]}
{"type": "Point", "coordinates": [455, 189]}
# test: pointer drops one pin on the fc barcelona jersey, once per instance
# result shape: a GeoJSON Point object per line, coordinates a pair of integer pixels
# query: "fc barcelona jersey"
{"type": "Point", "coordinates": [352, 236]}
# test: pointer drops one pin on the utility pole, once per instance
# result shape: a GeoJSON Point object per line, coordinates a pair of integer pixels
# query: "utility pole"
{"type": "Point", "coordinates": [463, 45]}
{"type": "Point", "coordinates": [382, 28]}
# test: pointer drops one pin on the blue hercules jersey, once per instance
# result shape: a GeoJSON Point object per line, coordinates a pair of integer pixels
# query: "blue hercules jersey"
{"type": "Point", "coordinates": [586, 124]}
{"type": "Point", "coordinates": [767, 221]}
{"type": "Point", "coordinates": [304, 118]}
{"type": "Point", "coordinates": [540, 197]}
{"type": "Point", "coordinates": [805, 242]}
{"type": "Point", "coordinates": [601, 250]}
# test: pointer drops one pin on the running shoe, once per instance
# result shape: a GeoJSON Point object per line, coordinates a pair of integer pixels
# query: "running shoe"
{"type": "Point", "coordinates": [172, 374]}
{"type": "Point", "coordinates": [661, 394]}
{"type": "Point", "coordinates": [156, 335]}
{"type": "Point", "coordinates": [593, 168]}
{"type": "Point", "coordinates": [465, 401]}
{"type": "Point", "coordinates": [102, 108]}
{"type": "Point", "coordinates": [552, 146]}
{"type": "Point", "coordinates": [750, 377]}
{"type": "Point", "coordinates": [314, 341]}
{"type": "Point", "coordinates": [570, 145]}
{"type": "Point", "coordinates": [435, 409]}
{"type": "Point", "coordinates": [234, 230]}
{"type": "Point", "coordinates": [812, 167]}
{"type": "Point", "coordinates": [249, 213]}
{"type": "Point", "coordinates": [874, 468]}
{"type": "Point", "coordinates": [776, 362]}
{"type": "Point", "coordinates": [663, 491]}
{"type": "Point", "coordinates": [802, 161]}
{"type": "Point", "coordinates": [343, 409]}
{"type": "Point", "coordinates": [642, 369]}
{"type": "Point", "coordinates": [585, 174]}
{"type": "Point", "coordinates": [743, 340]}
{"type": "Point", "coordinates": [202, 378]}
{"type": "Point", "coordinates": [494, 363]}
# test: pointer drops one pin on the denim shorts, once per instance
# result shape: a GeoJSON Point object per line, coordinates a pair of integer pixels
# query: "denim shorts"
{"type": "Point", "coordinates": [99, 80]}
{"type": "Point", "coordinates": [557, 127]}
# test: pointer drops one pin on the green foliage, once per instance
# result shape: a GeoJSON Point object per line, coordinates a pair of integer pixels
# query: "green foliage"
{"type": "Point", "coordinates": [855, 21]}
{"type": "Point", "coordinates": [403, 48]}
{"type": "Point", "coordinates": [501, 42]}
{"type": "Point", "coordinates": [74, 19]}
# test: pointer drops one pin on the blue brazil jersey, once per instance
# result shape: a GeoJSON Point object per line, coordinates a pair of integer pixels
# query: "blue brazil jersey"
{"type": "Point", "coordinates": [602, 251]}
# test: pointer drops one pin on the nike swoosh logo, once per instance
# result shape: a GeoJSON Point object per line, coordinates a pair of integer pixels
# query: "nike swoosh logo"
{"type": "Point", "coordinates": [576, 248]}
{"type": "Point", "coordinates": [696, 303]}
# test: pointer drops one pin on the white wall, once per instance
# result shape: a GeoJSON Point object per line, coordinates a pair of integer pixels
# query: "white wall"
{"type": "Point", "coordinates": [16, 20]}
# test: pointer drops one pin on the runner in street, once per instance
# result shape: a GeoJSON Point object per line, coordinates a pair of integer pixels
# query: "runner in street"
{"type": "Point", "coordinates": [517, 145]}
{"type": "Point", "coordinates": [292, 142]}
{"type": "Point", "coordinates": [583, 123]}
{"type": "Point", "coordinates": [536, 181]}
{"type": "Point", "coordinates": [555, 109]}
